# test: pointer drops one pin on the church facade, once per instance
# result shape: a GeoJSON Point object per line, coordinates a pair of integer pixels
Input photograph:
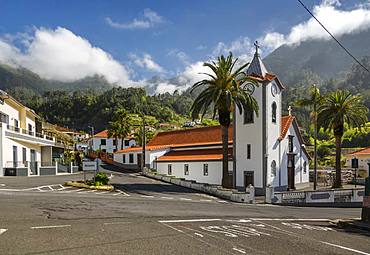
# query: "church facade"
{"type": "Point", "coordinates": [265, 149]}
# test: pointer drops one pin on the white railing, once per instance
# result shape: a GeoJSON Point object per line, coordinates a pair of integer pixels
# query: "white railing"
{"type": "Point", "coordinates": [31, 133]}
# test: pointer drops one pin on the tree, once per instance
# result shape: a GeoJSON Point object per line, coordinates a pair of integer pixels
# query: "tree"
{"type": "Point", "coordinates": [221, 92]}
{"type": "Point", "coordinates": [312, 102]}
{"type": "Point", "coordinates": [120, 126]}
{"type": "Point", "coordinates": [337, 109]}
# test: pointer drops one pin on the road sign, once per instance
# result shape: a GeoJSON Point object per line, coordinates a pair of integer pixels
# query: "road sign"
{"type": "Point", "coordinates": [89, 166]}
{"type": "Point", "coordinates": [355, 163]}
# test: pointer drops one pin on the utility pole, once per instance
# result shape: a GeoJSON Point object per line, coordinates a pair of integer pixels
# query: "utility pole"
{"type": "Point", "coordinates": [315, 139]}
{"type": "Point", "coordinates": [93, 133]}
{"type": "Point", "coordinates": [143, 144]}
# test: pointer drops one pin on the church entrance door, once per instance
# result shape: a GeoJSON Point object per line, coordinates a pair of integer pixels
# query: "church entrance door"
{"type": "Point", "coordinates": [291, 171]}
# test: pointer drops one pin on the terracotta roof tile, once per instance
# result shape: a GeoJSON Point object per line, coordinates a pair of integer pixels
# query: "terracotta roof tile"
{"type": "Point", "coordinates": [365, 151]}
{"type": "Point", "coordinates": [102, 134]}
{"type": "Point", "coordinates": [286, 122]}
{"type": "Point", "coordinates": [148, 148]}
{"type": "Point", "coordinates": [194, 136]}
{"type": "Point", "coordinates": [195, 155]}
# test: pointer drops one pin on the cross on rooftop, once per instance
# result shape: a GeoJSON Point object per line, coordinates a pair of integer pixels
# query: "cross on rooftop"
{"type": "Point", "coordinates": [256, 44]}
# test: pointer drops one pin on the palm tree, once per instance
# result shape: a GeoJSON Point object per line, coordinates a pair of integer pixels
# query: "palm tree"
{"type": "Point", "coordinates": [337, 109]}
{"type": "Point", "coordinates": [120, 126]}
{"type": "Point", "coordinates": [221, 92]}
{"type": "Point", "coordinates": [312, 102]}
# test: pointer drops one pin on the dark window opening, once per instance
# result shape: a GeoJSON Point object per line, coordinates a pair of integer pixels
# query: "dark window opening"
{"type": "Point", "coordinates": [248, 116]}
{"type": "Point", "coordinates": [131, 158]}
{"type": "Point", "coordinates": [290, 145]}
{"type": "Point", "coordinates": [249, 151]}
{"type": "Point", "coordinates": [273, 106]}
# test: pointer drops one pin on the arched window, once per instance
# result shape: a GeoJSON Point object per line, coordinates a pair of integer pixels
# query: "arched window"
{"type": "Point", "coordinates": [273, 107]}
{"type": "Point", "coordinates": [248, 115]}
{"type": "Point", "coordinates": [273, 168]}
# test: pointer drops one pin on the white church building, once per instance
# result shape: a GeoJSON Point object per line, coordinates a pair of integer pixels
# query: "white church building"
{"type": "Point", "coordinates": [265, 150]}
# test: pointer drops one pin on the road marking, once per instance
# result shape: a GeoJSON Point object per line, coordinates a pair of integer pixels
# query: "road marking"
{"type": "Point", "coordinates": [117, 223]}
{"type": "Point", "coordinates": [197, 234]}
{"type": "Point", "coordinates": [123, 193]}
{"type": "Point", "coordinates": [178, 230]}
{"type": "Point", "coordinates": [3, 230]}
{"type": "Point", "coordinates": [222, 201]}
{"type": "Point", "coordinates": [192, 220]}
{"type": "Point", "coordinates": [205, 200]}
{"type": "Point", "coordinates": [167, 197]}
{"type": "Point", "coordinates": [2, 184]}
{"type": "Point", "coordinates": [185, 199]}
{"type": "Point", "coordinates": [55, 226]}
{"type": "Point", "coordinates": [240, 250]}
{"type": "Point", "coordinates": [102, 192]}
{"type": "Point", "coordinates": [346, 248]}
{"type": "Point", "coordinates": [91, 191]}
{"type": "Point", "coordinates": [272, 219]}
{"type": "Point", "coordinates": [145, 196]}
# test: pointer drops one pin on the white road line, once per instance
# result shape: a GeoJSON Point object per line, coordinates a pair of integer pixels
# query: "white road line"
{"type": "Point", "coordinates": [192, 220]}
{"type": "Point", "coordinates": [167, 197]}
{"type": "Point", "coordinates": [11, 190]}
{"type": "Point", "coordinates": [222, 201]}
{"type": "Point", "coordinates": [3, 230]}
{"type": "Point", "coordinates": [102, 192]}
{"type": "Point", "coordinates": [240, 250]}
{"type": "Point", "coordinates": [78, 190]}
{"type": "Point", "coordinates": [346, 248]}
{"type": "Point", "coordinates": [205, 200]}
{"type": "Point", "coordinates": [145, 196]}
{"type": "Point", "coordinates": [290, 219]}
{"type": "Point", "coordinates": [116, 223]}
{"type": "Point", "coordinates": [123, 193]}
{"type": "Point", "coordinates": [197, 234]}
{"type": "Point", "coordinates": [178, 230]}
{"type": "Point", "coordinates": [185, 199]}
{"type": "Point", "coordinates": [55, 226]}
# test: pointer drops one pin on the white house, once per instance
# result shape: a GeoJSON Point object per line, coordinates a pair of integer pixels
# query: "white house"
{"type": "Point", "coordinates": [101, 142]}
{"type": "Point", "coordinates": [268, 149]}
{"type": "Point", "coordinates": [363, 157]}
{"type": "Point", "coordinates": [24, 147]}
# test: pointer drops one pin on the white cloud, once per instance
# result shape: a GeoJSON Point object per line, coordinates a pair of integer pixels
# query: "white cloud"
{"type": "Point", "coordinates": [149, 19]}
{"type": "Point", "coordinates": [337, 21]}
{"type": "Point", "coordinates": [61, 55]}
{"type": "Point", "coordinates": [180, 55]}
{"type": "Point", "coordinates": [147, 62]}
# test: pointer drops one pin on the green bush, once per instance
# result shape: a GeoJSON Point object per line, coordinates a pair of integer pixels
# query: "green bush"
{"type": "Point", "coordinates": [101, 179]}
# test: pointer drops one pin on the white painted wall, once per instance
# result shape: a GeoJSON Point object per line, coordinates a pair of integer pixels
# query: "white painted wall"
{"type": "Point", "coordinates": [12, 112]}
{"type": "Point", "coordinates": [195, 170]}
{"type": "Point", "coordinates": [95, 144]}
{"type": "Point", "coordinates": [301, 175]}
{"type": "Point", "coordinates": [249, 134]}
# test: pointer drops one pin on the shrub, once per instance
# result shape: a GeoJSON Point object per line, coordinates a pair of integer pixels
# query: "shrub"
{"type": "Point", "coordinates": [101, 179]}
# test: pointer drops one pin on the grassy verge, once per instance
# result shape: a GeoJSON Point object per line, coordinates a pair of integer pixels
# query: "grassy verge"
{"type": "Point", "coordinates": [81, 184]}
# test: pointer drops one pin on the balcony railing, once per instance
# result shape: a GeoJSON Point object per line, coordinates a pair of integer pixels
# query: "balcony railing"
{"type": "Point", "coordinates": [31, 133]}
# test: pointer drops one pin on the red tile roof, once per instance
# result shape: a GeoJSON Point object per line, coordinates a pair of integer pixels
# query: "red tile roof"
{"type": "Point", "coordinates": [193, 136]}
{"type": "Point", "coordinates": [148, 148]}
{"type": "Point", "coordinates": [102, 134]}
{"type": "Point", "coordinates": [286, 122]}
{"type": "Point", "coordinates": [195, 155]}
{"type": "Point", "coordinates": [365, 151]}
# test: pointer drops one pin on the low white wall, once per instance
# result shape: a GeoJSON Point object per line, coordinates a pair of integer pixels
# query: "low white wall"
{"type": "Point", "coordinates": [195, 171]}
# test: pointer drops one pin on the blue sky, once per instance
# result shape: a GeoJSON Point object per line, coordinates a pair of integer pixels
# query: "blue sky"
{"type": "Point", "coordinates": [159, 37]}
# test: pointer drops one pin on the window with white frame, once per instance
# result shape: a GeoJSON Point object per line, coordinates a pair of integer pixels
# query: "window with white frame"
{"type": "Point", "coordinates": [205, 169]}
{"type": "Point", "coordinates": [169, 169]}
{"type": "Point", "coordinates": [186, 169]}
{"type": "Point", "coordinates": [273, 168]}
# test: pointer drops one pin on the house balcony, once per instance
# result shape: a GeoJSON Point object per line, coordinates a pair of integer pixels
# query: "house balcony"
{"type": "Point", "coordinates": [28, 136]}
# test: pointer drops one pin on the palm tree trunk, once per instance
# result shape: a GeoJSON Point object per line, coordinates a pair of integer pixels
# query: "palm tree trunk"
{"type": "Point", "coordinates": [338, 168]}
{"type": "Point", "coordinates": [225, 157]}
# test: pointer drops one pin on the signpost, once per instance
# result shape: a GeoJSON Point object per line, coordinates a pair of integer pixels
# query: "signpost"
{"type": "Point", "coordinates": [89, 166]}
{"type": "Point", "coordinates": [355, 166]}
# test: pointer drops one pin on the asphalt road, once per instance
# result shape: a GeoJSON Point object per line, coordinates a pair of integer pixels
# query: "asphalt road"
{"type": "Point", "coordinates": [39, 215]}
